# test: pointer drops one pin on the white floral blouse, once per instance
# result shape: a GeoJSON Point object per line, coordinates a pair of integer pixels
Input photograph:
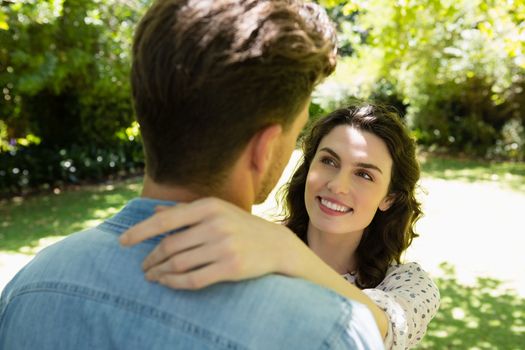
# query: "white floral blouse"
{"type": "Point", "coordinates": [409, 298]}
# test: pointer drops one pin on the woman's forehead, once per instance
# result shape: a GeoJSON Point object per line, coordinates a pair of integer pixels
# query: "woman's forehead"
{"type": "Point", "coordinates": [356, 144]}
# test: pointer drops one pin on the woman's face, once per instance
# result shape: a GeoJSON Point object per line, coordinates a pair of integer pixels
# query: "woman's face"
{"type": "Point", "coordinates": [347, 181]}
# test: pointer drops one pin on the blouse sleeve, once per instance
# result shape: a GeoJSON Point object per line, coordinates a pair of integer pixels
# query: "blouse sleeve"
{"type": "Point", "coordinates": [410, 299]}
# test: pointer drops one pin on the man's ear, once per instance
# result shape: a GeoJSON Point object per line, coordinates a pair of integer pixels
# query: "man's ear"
{"type": "Point", "coordinates": [263, 145]}
{"type": "Point", "coordinates": [387, 202]}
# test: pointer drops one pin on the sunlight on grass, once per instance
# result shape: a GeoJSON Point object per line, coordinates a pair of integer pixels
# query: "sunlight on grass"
{"type": "Point", "coordinates": [504, 174]}
{"type": "Point", "coordinates": [479, 316]}
{"type": "Point", "coordinates": [40, 244]}
{"type": "Point", "coordinates": [25, 222]}
{"type": "Point", "coordinates": [102, 214]}
{"type": "Point", "coordinates": [474, 225]}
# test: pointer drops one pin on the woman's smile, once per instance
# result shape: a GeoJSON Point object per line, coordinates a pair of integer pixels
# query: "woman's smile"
{"type": "Point", "coordinates": [333, 207]}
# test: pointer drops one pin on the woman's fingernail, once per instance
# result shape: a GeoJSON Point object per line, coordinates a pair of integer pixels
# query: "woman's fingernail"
{"type": "Point", "coordinates": [150, 277]}
{"type": "Point", "coordinates": [123, 240]}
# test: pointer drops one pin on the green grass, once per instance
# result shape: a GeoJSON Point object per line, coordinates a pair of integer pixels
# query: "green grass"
{"type": "Point", "coordinates": [27, 220]}
{"type": "Point", "coordinates": [505, 174]}
{"type": "Point", "coordinates": [479, 316]}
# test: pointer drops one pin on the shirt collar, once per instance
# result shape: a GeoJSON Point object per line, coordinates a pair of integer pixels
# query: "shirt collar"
{"type": "Point", "coordinates": [135, 211]}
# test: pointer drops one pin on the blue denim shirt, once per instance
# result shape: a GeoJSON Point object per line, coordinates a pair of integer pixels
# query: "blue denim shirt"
{"type": "Point", "coordinates": [88, 292]}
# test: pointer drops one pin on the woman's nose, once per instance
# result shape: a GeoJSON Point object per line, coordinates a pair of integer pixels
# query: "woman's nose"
{"type": "Point", "coordinates": [339, 184]}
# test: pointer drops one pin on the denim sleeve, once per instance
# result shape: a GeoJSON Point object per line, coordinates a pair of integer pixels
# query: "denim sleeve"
{"type": "Point", "coordinates": [2, 307]}
{"type": "Point", "coordinates": [359, 329]}
{"type": "Point", "coordinates": [3, 312]}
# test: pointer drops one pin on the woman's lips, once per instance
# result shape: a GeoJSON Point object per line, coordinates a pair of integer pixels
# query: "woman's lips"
{"type": "Point", "coordinates": [332, 207]}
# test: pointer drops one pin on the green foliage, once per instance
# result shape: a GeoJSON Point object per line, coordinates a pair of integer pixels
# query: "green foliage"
{"type": "Point", "coordinates": [457, 66]}
{"type": "Point", "coordinates": [41, 167]}
{"type": "Point", "coordinates": [64, 69]}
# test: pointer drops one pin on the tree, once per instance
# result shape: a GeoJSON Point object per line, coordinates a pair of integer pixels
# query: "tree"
{"type": "Point", "coordinates": [64, 69]}
{"type": "Point", "coordinates": [458, 66]}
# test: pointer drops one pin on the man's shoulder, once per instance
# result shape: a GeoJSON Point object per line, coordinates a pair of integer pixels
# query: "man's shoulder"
{"type": "Point", "coordinates": [65, 259]}
{"type": "Point", "coordinates": [80, 245]}
{"type": "Point", "coordinates": [93, 258]}
{"type": "Point", "coordinates": [90, 271]}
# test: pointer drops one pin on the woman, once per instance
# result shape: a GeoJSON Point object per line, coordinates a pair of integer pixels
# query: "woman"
{"type": "Point", "coordinates": [351, 210]}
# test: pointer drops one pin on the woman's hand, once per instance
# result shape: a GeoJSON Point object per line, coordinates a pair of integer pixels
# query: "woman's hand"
{"type": "Point", "coordinates": [221, 243]}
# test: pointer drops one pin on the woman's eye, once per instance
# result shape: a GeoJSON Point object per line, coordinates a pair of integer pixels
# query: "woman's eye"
{"type": "Point", "coordinates": [365, 175]}
{"type": "Point", "coordinates": [328, 161]}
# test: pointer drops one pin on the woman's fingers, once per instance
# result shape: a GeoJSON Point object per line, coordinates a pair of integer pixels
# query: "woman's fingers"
{"type": "Point", "coordinates": [155, 225]}
{"type": "Point", "coordinates": [185, 262]}
{"type": "Point", "coordinates": [199, 278]}
{"type": "Point", "coordinates": [162, 221]}
{"type": "Point", "coordinates": [219, 242]}
{"type": "Point", "coordinates": [176, 243]}
{"type": "Point", "coordinates": [172, 218]}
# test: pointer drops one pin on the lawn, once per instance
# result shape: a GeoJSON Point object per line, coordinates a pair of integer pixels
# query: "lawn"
{"type": "Point", "coordinates": [469, 242]}
{"type": "Point", "coordinates": [481, 315]}
{"type": "Point", "coordinates": [26, 221]}
{"type": "Point", "coordinates": [506, 174]}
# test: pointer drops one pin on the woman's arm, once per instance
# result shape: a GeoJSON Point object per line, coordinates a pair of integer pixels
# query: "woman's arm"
{"type": "Point", "coordinates": [220, 242]}
{"type": "Point", "coordinates": [410, 299]}
{"type": "Point", "coordinates": [304, 263]}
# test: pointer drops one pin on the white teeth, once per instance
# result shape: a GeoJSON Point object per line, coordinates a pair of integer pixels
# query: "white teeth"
{"type": "Point", "coordinates": [334, 206]}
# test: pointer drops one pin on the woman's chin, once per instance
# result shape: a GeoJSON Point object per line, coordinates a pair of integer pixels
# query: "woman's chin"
{"type": "Point", "coordinates": [331, 228]}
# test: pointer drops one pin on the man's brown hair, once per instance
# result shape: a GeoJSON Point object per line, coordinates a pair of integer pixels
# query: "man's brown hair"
{"type": "Point", "coordinates": [208, 74]}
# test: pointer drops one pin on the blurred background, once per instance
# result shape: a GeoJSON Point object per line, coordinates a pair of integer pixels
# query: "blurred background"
{"type": "Point", "coordinates": [70, 151]}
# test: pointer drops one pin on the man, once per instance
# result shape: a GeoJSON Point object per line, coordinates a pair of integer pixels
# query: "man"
{"type": "Point", "coordinates": [221, 91]}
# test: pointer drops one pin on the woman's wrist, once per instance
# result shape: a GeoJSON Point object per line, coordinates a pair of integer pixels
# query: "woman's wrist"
{"type": "Point", "coordinates": [291, 254]}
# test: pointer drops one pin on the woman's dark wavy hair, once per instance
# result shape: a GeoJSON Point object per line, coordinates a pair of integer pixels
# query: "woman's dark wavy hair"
{"type": "Point", "coordinates": [391, 232]}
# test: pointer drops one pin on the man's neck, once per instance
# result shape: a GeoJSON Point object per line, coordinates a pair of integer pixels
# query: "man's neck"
{"type": "Point", "coordinates": [154, 190]}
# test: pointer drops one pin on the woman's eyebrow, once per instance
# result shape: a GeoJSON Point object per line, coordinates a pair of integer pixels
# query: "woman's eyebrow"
{"type": "Point", "coordinates": [369, 166]}
{"type": "Point", "coordinates": [331, 151]}
{"type": "Point", "coordinates": [360, 164]}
